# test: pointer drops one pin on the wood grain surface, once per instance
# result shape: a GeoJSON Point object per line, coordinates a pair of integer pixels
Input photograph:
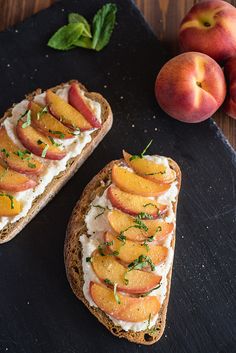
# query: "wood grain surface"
{"type": "Point", "coordinates": [164, 17]}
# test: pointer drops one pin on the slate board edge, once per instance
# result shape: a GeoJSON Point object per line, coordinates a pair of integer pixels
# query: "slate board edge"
{"type": "Point", "coordinates": [61, 3]}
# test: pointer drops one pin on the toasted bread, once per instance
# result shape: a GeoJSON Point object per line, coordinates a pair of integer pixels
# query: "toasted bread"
{"type": "Point", "coordinates": [12, 229]}
{"type": "Point", "coordinates": [73, 258]}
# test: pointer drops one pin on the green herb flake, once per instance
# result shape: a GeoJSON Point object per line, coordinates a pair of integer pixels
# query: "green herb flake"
{"type": "Point", "coordinates": [28, 120]}
{"type": "Point", "coordinates": [141, 262]}
{"type": "Point", "coordinates": [156, 173]}
{"type": "Point", "coordinates": [59, 133]}
{"type": "Point", "coordinates": [108, 281]}
{"type": "Point", "coordinates": [44, 151]}
{"type": "Point", "coordinates": [102, 246]}
{"type": "Point", "coordinates": [5, 152]}
{"type": "Point", "coordinates": [141, 155]}
{"type": "Point", "coordinates": [122, 238]}
{"type": "Point", "coordinates": [11, 199]}
{"type": "Point", "coordinates": [88, 259]}
{"type": "Point", "coordinates": [24, 155]}
{"type": "Point", "coordinates": [153, 329]}
{"type": "Point", "coordinates": [115, 294]}
{"type": "Point", "coordinates": [54, 143]}
{"type": "Point", "coordinates": [31, 165]}
{"type": "Point", "coordinates": [147, 293]}
{"type": "Point", "coordinates": [148, 240]}
{"type": "Point", "coordinates": [126, 281]}
{"type": "Point", "coordinates": [144, 215]}
{"type": "Point", "coordinates": [43, 111]}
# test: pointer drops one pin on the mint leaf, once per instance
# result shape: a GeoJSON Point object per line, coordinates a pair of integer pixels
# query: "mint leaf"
{"type": "Point", "coordinates": [65, 37]}
{"type": "Point", "coordinates": [103, 25]}
{"type": "Point", "coordinates": [77, 18]}
{"type": "Point", "coordinates": [83, 42]}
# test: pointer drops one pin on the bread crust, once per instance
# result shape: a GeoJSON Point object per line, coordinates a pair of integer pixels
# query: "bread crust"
{"type": "Point", "coordinates": [73, 257]}
{"type": "Point", "coordinates": [12, 229]}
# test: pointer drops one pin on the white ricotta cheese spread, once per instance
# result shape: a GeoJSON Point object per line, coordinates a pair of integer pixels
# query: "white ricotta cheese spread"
{"type": "Point", "coordinates": [73, 148]}
{"type": "Point", "coordinates": [97, 224]}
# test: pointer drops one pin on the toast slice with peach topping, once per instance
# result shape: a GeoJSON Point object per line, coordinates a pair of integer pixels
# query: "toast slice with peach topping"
{"type": "Point", "coordinates": [120, 244]}
{"type": "Point", "coordinates": [44, 140]}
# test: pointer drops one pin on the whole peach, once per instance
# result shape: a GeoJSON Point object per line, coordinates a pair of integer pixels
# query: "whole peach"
{"type": "Point", "coordinates": [230, 75]}
{"type": "Point", "coordinates": [210, 28]}
{"type": "Point", "coordinates": [190, 87]}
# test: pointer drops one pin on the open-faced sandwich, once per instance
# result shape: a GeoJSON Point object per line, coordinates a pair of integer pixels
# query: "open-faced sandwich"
{"type": "Point", "coordinates": [44, 139]}
{"type": "Point", "coordinates": [120, 245]}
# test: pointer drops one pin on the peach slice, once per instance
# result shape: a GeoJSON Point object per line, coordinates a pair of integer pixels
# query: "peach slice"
{"type": "Point", "coordinates": [150, 170]}
{"type": "Point", "coordinates": [134, 184]}
{"type": "Point", "coordinates": [67, 114]}
{"type": "Point", "coordinates": [135, 281]}
{"type": "Point", "coordinates": [38, 143]}
{"type": "Point", "coordinates": [9, 206]}
{"type": "Point", "coordinates": [14, 181]}
{"type": "Point", "coordinates": [47, 124]}
{"type": "Point", "coordinates": [16, 158]}
{"type": "Point", "coordinates": [123, 223]}
{"type": "Point", "coordinates": [130, 309]}
{"type": "Point", "coordinates": [135, 204]}
{"type": "Point", "coordinates": [130, 250]}
{"type": "Point", "coordinates": [78, 102]}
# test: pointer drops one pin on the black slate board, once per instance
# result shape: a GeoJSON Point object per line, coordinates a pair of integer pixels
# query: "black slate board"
{"type": "Point", "coordinates": [38, 312]}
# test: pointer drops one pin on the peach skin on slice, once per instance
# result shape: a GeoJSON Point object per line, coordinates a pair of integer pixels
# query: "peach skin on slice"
{"type": "Point", "coordinates": [129, 251]}
{"type": "Point", "coordinates": [129, 309]}
{"type": "Point", "coordinates": [38, 143]}
{"type": "Point", "coordinates": [78, 102]}
{"type": "Point", "coordinates": [150, 170]}
{"type": "Point", "coordinates": [133, 282]}
{"type": "Point", "coordinates": [135, 184]}
{"type": "Point", "coordinates": [9, 206]}
{"type": "Point", "coordinates": [135, 204]}
{"type": "Point", "coordinates": [16, 158]}
{"type": "Point", "coordinates": [123, 223]}
{"type": "Point", "coordinates": [65, 113]}
{"type": "Point", "coordinates": [14, 181]}
{"type": "Point", "coordinates": [42, 120]}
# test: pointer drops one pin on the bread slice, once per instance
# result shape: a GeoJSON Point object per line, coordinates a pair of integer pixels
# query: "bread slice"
{"type": "Point", "coordinates": [12, 229]}
{"type": "Point", "coordinates": [73, 257]}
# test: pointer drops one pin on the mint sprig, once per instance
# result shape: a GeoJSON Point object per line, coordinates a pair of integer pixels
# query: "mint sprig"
{"type": "Point", "coordinates": [78, 33]}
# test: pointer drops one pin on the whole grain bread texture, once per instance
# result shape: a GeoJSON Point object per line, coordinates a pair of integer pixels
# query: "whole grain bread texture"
{"type": "Point", "coordinates": [73, 257]}
{"type": "Point", "coordinates": [12, 229]}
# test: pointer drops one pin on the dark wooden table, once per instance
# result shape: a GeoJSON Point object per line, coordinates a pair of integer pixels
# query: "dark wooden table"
{"type": "Point", "coordinates": [163, 16]}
